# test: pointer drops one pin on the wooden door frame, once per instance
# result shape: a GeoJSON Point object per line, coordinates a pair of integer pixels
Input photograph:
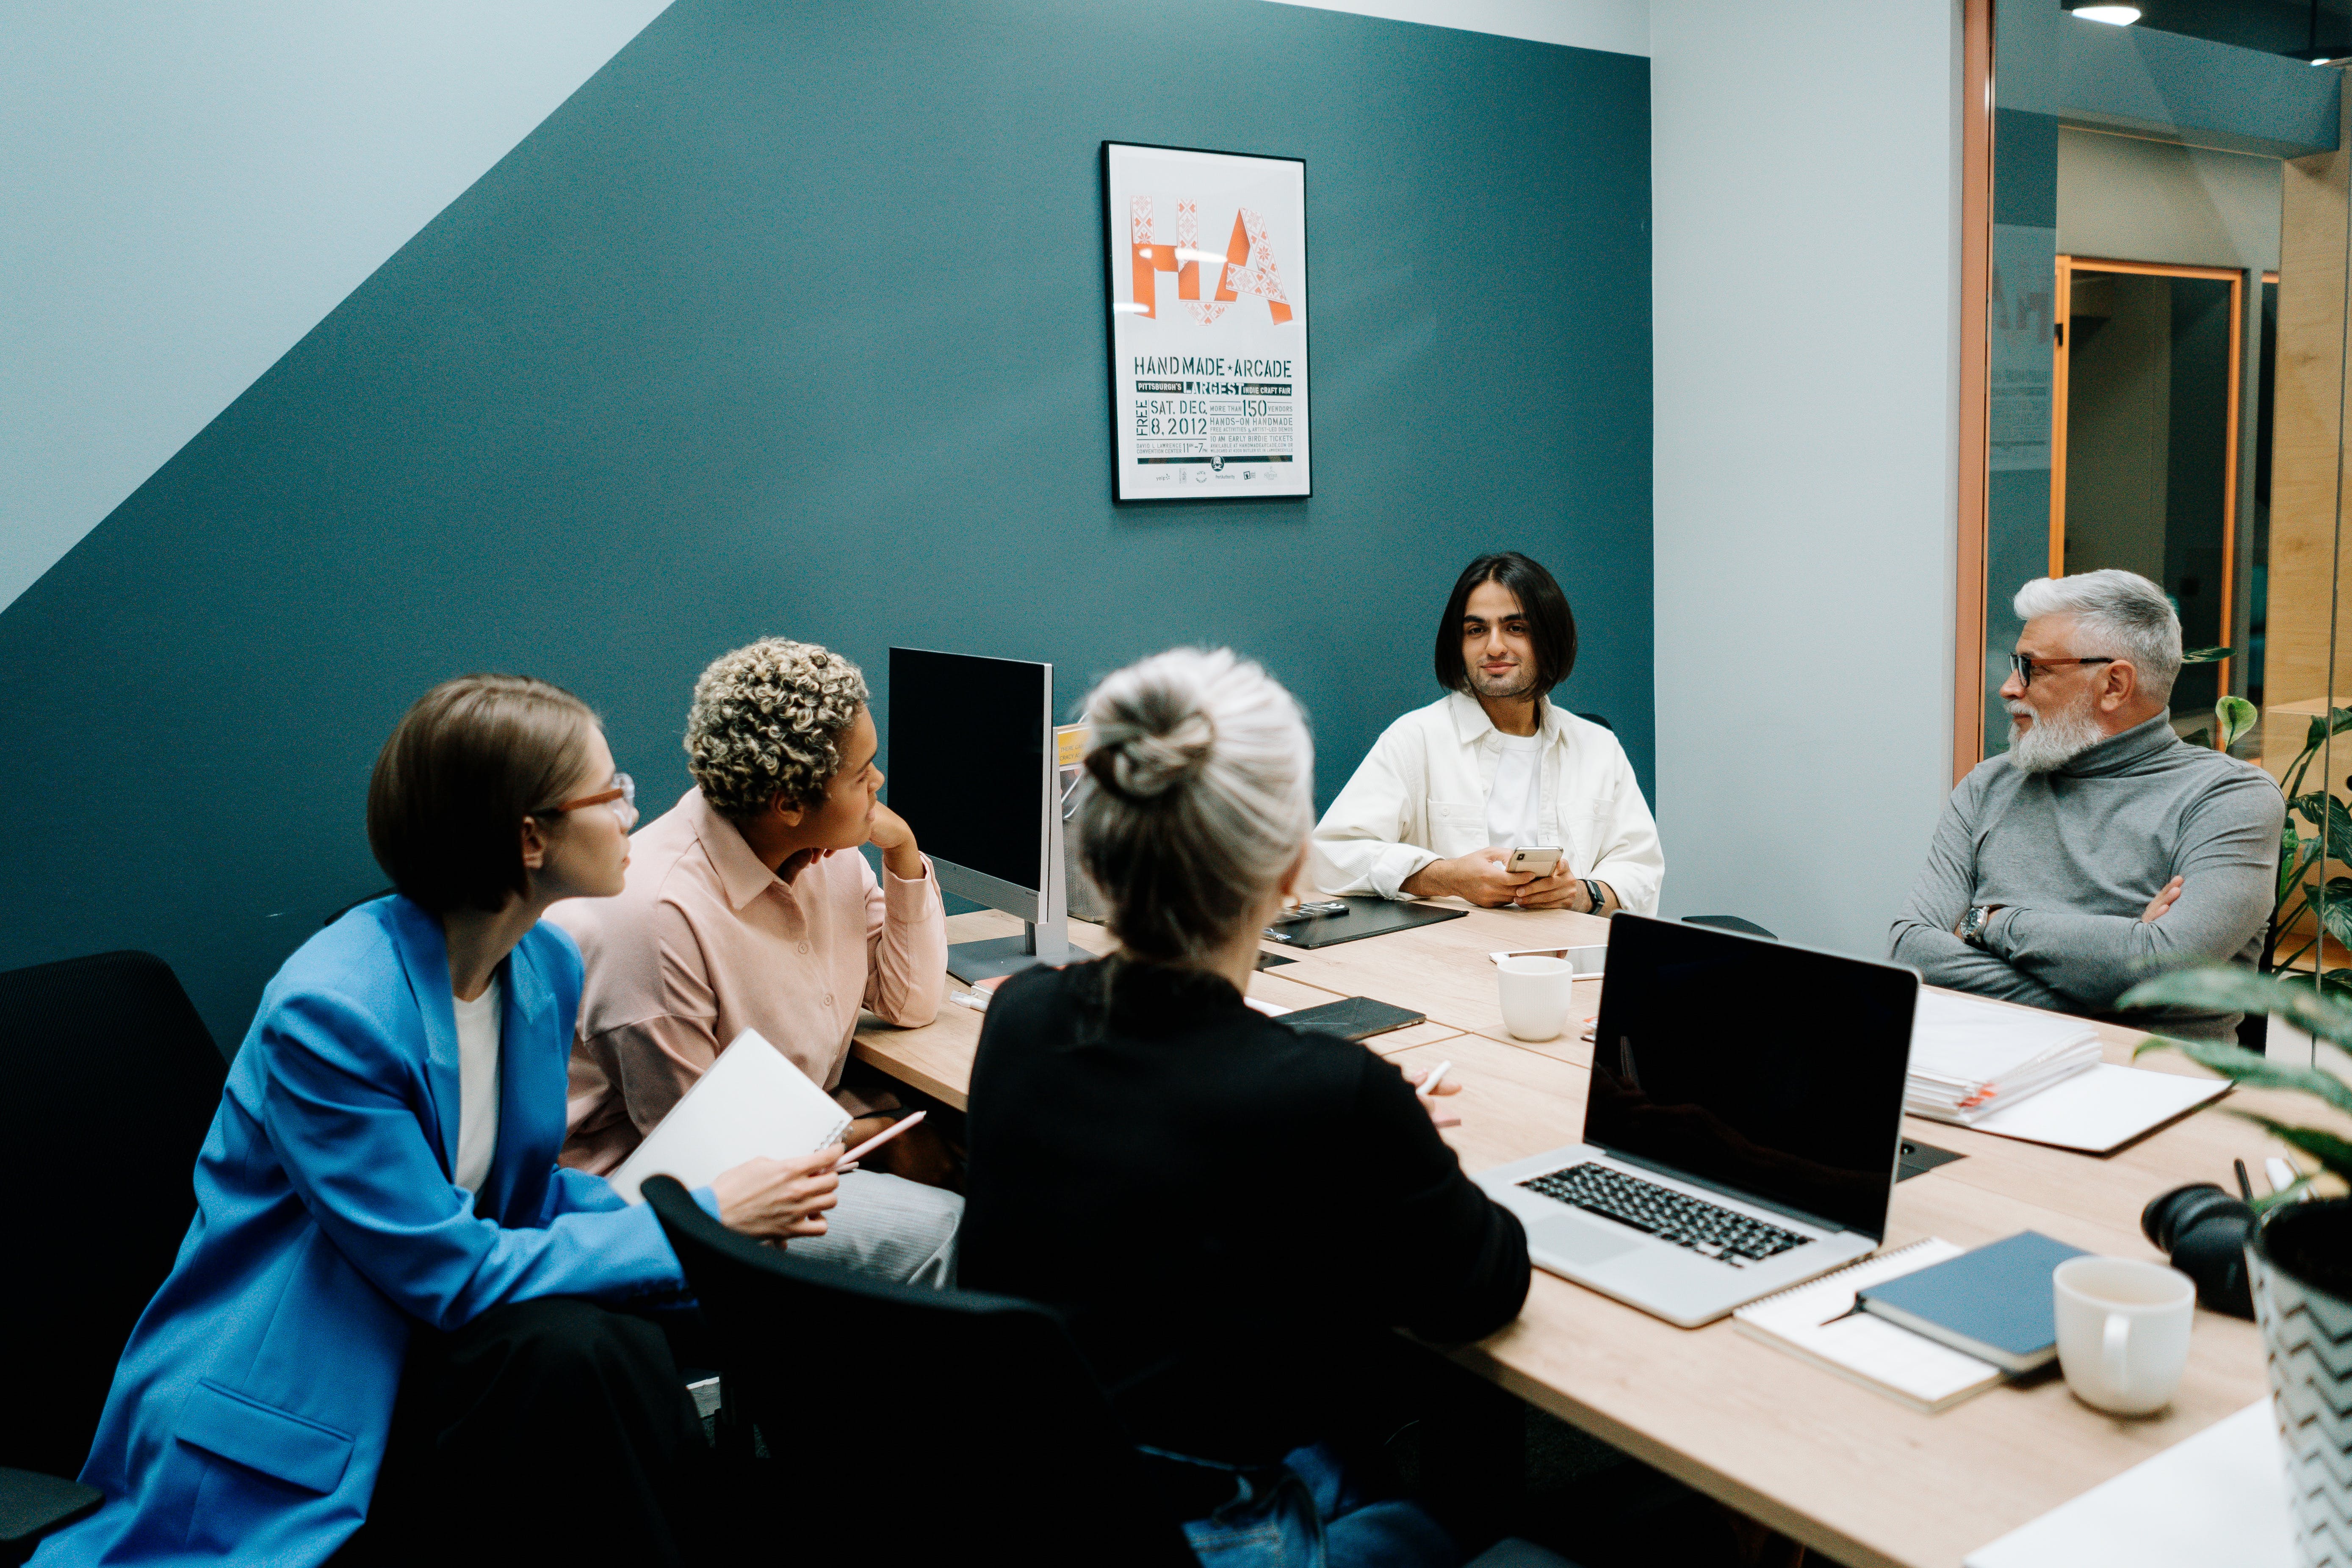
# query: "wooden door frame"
{"type": "Point", "coordinates": [1975, 384]}
{"type": "Point", "coordinates": [2062, 312]}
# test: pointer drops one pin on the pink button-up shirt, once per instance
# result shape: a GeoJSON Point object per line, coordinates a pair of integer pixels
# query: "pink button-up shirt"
{"type": "Point", "coordinates": [705, 942]}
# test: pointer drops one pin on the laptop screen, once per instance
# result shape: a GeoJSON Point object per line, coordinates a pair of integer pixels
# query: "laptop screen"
{"type": "Point", "coordinates": [1770, 1072]}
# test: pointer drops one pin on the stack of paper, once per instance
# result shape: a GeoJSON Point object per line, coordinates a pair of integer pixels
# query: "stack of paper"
{"type": "Point", "coordinates": [1972, 1057]}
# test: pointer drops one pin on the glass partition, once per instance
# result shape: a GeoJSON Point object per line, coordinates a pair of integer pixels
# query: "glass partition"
{"type": "Point", "coordinates": [2166, 374]}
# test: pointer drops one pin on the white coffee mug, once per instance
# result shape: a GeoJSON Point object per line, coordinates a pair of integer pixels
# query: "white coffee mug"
{"type": "Point", "coordinates": [2123, 1332]}
{"type": "Point", "coordinates": [1535, 994]}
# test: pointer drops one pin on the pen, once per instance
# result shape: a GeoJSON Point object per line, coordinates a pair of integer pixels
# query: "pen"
{"type": "Point", "coordinates": [901, 1125]}
{"type": "Point", "coordinates": [2245, 1184]}
{"type": "Point", "coordinates": [1437, 1076]}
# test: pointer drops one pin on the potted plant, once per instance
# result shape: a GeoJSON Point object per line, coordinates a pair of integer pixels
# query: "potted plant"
{"type": "Point", "coordinates": [2299, 1253]}
{"type": "Point", "coordinates": [2326, 835]}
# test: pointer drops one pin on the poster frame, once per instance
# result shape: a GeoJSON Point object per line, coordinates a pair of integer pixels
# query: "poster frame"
{"type": "Point", "coordinates": [1113, 254]}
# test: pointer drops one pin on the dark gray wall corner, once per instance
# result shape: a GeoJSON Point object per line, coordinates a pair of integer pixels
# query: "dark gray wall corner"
{"type": "Point", "coordinates": [791, 322]}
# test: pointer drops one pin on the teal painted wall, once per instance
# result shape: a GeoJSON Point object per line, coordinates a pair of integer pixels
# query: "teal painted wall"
{"type": "Point", "coordinates": [791, 322]}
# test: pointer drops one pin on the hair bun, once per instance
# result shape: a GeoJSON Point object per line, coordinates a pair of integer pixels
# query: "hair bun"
{"type": "Point", "coordinates": [1142, 762]}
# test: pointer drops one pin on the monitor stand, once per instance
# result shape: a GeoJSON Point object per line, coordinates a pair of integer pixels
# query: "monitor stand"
{"type": "Point", "coordinates": [971, 961]}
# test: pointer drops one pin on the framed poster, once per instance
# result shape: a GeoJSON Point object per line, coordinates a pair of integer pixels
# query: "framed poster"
{"type": "Point", "coordinates": [1204, 261]}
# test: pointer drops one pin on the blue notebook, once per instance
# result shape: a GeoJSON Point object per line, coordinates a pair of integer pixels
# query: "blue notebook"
{"type": "Point", "coordinates": [1995, 1304]}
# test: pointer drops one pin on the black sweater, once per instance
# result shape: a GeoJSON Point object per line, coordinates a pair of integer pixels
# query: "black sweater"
{"type": "Point", "coordinates": [1226, 1210]}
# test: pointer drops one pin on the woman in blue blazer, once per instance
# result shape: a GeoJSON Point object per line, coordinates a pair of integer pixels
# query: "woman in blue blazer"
{"type": "Point", "coordinates": [336, 1247]}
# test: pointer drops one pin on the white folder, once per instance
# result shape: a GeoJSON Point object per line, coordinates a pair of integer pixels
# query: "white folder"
{"type": "Point", "coordinates": [753, 1102]}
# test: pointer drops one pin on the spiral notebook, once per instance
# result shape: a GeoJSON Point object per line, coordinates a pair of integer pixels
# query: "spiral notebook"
{"type": "Point", "coordinates": [1820, 1321]}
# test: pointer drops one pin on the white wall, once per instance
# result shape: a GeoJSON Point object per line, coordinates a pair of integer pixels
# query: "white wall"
{"type": "Point", "coordinates": [190, 188]}
{"type": "Point", "coordinates": [1617, 26]}
{"type": "Point", "coordinates": [1806, 268]}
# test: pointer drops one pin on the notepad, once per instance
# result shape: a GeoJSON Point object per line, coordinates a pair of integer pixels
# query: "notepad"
{"type": "Point", "coordinates": [2218, 1497]}
{"type": "Point", "coordinates": [753, 1102]}
{"type": "Point", "coordinates": [1818, 1323]}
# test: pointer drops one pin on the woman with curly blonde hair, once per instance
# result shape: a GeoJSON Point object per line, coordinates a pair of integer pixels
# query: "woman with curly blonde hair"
{"type": "Point", "coordinates": [748, 907]}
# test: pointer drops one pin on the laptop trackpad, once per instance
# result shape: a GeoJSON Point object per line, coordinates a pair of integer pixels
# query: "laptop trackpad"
{"type": "Point", "coordinates": [1574, 1239]}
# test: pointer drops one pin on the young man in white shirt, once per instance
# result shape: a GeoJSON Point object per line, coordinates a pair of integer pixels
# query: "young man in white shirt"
{"type": "Point", "coordinates": [1450, 790]}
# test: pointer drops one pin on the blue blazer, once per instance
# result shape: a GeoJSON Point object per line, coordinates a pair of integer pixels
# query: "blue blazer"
{"type": "Point", "coordinates": [248, 1415]}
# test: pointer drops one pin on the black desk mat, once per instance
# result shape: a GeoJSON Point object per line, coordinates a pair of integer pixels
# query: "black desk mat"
{"type": "Point", "coordinates": [1918, 1159]}
{"type": "Point", "coordinates": [1366, 916]}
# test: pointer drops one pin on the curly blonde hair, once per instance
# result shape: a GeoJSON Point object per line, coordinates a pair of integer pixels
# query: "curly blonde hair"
{"type": "Point", "coordinates": [767, 721]}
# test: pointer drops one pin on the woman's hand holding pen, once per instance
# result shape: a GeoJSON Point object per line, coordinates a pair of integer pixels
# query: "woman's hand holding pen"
{"type": "Point", "coordinates": [1429, 1083]}
{"type": "Point", "coordinates": [779, 1199]}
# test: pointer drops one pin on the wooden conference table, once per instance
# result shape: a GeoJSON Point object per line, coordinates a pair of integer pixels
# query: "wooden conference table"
{"type": "Point", "coordinates": [1849, 1473]}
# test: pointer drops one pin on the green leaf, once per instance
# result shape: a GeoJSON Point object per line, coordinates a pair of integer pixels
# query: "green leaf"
{"type": "Point", "coordinates": [2236, 716]}
{"type": "Point", "coordinates": [2202, 738]}
{"type": "Point", "coordinates": [2226, 988]}
{"type": "Point", "coordinates": [2329, 1150]}
{"type": "Point", "coordinates": [2338, 721]}
{"type": "Point", "coordinates": [2290, 865]}
{"type": "Point", "coordinates": [2205, 655]}
{"type": "Point", "coordinates": [2285, 1195]}
{"type": "Point", "coordinates": [2241, 1065]}
{"type": "Point", "coordinates": [2335, 906]}
{"type": "Point", "coordinates": [2317, 808]}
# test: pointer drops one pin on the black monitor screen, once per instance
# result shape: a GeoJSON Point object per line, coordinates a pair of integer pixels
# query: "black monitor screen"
{"type": "Point", "coordinates": [967, 763]}
{"type": "Point", "coordinates": [1768, 1071]}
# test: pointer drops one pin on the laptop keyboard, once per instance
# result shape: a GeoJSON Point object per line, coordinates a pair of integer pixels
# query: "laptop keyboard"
{"type": "Point", "coordinates": [1708, 1230]}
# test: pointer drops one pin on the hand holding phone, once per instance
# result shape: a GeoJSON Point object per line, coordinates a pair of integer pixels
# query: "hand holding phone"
{"type": "Point", "coordinates": [1542, 861]}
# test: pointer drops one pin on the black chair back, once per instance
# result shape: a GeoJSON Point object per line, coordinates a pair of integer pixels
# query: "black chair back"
{"type": "Point", "coordinates": [1731, 923]}
{"type": "Point", "coordinates": [114, 1081]}
{"type": "Point", "coordinates": [909, 1425]}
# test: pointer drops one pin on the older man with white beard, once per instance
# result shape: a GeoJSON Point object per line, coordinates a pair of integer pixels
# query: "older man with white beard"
{"type": "Point", "coordinates": [2101, 848]}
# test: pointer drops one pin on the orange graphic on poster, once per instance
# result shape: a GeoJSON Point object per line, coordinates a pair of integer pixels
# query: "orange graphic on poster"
{"type": "Point", "coordinates": [1249, 267]}
{"type": "Point", "coordinates": [1149, 254]}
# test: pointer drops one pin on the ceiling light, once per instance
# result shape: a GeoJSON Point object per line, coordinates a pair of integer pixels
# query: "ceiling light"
{"type": "Point", "coordinates": [1211, 257]}
{"type": "Point", "coordinates": [2114, 15]}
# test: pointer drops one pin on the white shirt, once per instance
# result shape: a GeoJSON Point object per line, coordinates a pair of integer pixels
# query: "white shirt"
{"type": "Point", "coordinates": [1514, 803]}
{"type": "Point", "coordinates": [477, 1086]}
{"type": "Point", "coordinates": [1423, 794]}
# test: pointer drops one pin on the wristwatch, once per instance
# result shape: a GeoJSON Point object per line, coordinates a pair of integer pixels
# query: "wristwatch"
{"type": "Point", "coordinates": [1973, 926]}
{"type": "Point", "coordinates": [1592, 892]}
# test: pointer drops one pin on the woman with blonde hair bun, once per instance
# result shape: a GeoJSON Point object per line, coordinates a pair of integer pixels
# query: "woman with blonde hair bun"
{"type": "Point", "coordinates": [1233, 1215]}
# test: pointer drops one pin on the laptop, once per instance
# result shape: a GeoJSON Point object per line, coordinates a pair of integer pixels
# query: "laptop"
{"type": "Point", "coordinates": [1742, 1129]}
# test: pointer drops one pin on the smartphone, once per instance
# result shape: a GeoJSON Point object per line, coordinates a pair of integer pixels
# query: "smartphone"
{"type": "Point", "coordinates": [1542, 862]}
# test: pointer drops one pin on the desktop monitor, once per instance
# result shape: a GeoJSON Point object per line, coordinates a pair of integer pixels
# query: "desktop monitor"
{"type": "Point", "coordinates": [1768, 1071]}
{"type": "Point", "coordinates": [972, 769]}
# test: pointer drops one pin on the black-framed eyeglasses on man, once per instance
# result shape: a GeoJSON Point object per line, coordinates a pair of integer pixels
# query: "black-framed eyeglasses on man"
{"type": "Point", "coordinates": [2025, 666]}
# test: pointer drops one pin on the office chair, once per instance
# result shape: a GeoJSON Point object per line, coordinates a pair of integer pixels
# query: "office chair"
{"type": "Point", "coordinates": [1596, 718]}
{"type": "Point", "coordinates": [988, 1440]}
{"type": "Point", "coordinates": [119, 1079]}
{"type": "Point", "coordinates": [1731, 923]}
{"type": "Point", "coordinates": [355, 903]}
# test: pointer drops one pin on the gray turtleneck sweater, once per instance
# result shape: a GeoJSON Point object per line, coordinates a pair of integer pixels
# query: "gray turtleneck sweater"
{"type": "Point", "coordinates": [2072, 856]}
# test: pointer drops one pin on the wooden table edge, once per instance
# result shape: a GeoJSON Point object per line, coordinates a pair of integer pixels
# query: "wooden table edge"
{"type": "Point", "coordinates": [1765, 1509]}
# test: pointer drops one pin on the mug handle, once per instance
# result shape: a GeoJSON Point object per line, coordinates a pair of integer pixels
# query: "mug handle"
{"type": "Point", "coordinates": [2114, 1345]}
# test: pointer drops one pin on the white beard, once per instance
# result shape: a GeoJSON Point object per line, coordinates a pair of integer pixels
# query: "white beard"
{"type": "Point", "coordinates": [2050, 741]}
